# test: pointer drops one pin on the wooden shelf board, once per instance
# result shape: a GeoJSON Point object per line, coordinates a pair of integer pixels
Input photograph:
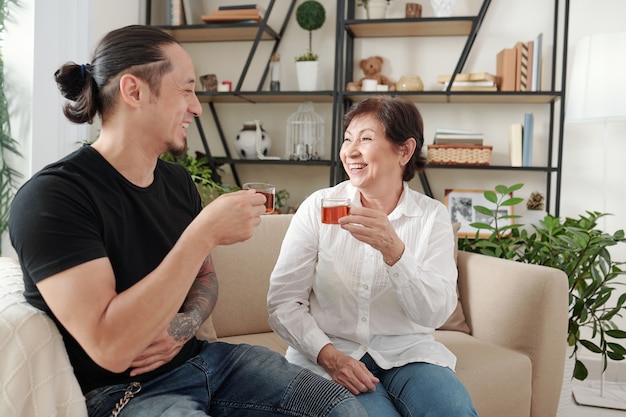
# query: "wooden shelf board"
{"type": "Point", "coordinates": [220, 160]}
{"type": "Point", "coordinates": [222, 32]}
{"type": "Point", "coordinates": [266, 97]}
{"type": "Point", "coordinates": [387, 28]}
{"type": "Point", "coordinates": [464, 97]}
{"type": "Point", "coordinates": [495, 167]}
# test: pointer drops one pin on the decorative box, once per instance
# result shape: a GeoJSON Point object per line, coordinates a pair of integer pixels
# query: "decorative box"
{"type": "Point", "coordinates": [459, 155]}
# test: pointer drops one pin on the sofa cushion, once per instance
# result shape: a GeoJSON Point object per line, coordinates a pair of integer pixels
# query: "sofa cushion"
{"type": "Point", "coordinates": [498, 379]}
{"type": "Point", "coordinates": [456, 321]}
{"type": "Point", "coordinates": [260, 260]}
{"type": "Point", "coordinates": [243, 298]}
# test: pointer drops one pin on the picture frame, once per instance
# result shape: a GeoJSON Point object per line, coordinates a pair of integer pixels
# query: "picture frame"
{"type": "Point", "coordinates": [461, 203]}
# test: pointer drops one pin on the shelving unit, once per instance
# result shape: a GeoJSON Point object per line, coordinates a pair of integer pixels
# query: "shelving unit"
{"type": "Point", "coordinates": [254, 33]}
{"type": "Point", "coordinates": [349, 29]}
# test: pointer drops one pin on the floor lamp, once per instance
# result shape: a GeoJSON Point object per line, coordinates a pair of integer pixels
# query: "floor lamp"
{"type": "Point", "coordinates": [597, 94]}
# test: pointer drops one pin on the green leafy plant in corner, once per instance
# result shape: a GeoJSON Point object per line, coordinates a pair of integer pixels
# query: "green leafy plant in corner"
{"type": "Point", "coordinates": [202, 175]}
{"type": "Point", "coordinates": [310, 16]}
{"type": "Point", "coordinates": [576, 246]}
{"type": "Point", "coordinates": [8, 145]}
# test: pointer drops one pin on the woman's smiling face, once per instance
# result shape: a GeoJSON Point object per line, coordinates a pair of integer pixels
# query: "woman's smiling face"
{"type": "Point", "coordinates": [371, 160]}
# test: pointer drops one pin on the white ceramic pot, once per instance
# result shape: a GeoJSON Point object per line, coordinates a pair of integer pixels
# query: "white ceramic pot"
{"type": "Point", "coordinates": [307, 75]}
{"type": "Point", "coordinates": [376, 9]}
{"type": "Point", "coordinates": [442, 8]}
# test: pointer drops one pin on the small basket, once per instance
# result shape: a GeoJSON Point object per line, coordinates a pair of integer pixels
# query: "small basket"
{"type": "Point", "coordinates": [459, 155]}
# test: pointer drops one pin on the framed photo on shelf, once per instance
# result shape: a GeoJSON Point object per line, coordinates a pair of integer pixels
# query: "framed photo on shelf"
{"type": "Point", "coordinates": [461, 205]}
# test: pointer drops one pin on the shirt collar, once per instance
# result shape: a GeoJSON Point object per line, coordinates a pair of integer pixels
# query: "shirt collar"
{"type": "Point", "coordinates": [407, 206]}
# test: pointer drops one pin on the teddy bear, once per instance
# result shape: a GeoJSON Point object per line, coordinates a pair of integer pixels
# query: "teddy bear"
{"type": "Point", "coordinates": [371, 67]}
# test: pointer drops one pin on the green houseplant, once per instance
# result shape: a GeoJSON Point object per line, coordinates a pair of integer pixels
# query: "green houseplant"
{"type": "Point", "coordinates": [8, 145]}
{"type": "Point", "coordinates": [310, 16]}
{"type": "Point", "coordinates": [208, 184]}
{"type": "Point", "coordinates": [578, 247]}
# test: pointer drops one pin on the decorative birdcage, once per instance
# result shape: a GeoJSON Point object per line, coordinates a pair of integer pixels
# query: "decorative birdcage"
{"type": "Point", "coordinates": [305, 134]}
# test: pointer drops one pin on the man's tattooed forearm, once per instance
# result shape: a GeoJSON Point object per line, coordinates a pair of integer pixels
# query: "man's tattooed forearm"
{"type": "Point", "coordinates": [198, 305]}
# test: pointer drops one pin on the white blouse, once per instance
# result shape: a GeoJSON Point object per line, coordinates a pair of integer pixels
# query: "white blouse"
{"type": "Point", "coordinates": [328, 287]}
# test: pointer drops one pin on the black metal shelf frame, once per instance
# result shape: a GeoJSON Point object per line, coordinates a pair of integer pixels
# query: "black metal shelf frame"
{"type": "Point", "coordinates": [255, 33]}
{"type": "Point", "coordinates": [348, 29]}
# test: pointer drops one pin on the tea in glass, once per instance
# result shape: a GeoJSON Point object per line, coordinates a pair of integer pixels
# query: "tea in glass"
{"type": "Point", "coordinates": [268, 190]}
{"type": "Point", "coordinates": [334, 208]}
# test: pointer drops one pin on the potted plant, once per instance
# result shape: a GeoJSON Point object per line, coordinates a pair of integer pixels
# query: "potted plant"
{"type": "Point", "coordinates": [375, 9]}
{"type": "Point", "coordinates": [8, 144]}
{"type": "Point", "coordinates": [578, 247]}
{"type": "Point", "coordinates": [208, 183]}
{"type": "Point", "coordinates": [310, 16]}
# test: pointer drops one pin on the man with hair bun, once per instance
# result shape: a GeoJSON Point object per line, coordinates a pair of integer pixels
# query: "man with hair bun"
{"type": "Point", "coordinates": [115, 247]}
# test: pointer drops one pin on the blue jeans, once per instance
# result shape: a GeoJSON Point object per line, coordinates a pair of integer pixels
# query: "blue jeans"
{"type": "Point", "coordinates": [231, 380]}
{"type": "Point", "coordinates": [416, 389]}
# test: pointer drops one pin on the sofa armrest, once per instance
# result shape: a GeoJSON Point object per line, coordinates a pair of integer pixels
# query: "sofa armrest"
{"type": "Point", "coordinates": [522, 307]}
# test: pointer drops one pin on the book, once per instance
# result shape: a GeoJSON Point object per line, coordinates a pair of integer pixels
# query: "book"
{"type": "Point", "coordinates": [527, 140]}
{"type": "Point", "coordinates": [460, 137]}
{"type": "Point", "coordinates": [485, 83]}
{"type": "Point", "coordinates": [531, 50]}
{"type": "Point", "coordinates": [176, 13]}
{"type": "Point", "coordinates": [521, 66]}
{"type": "Point", "coordinates": [247, 12]}
{"type": "Point", "coordinates": [537, 63]}
{"type": "Point", "coordinates": [242, 7]}
{"type": "Point", "coordinates": [447, 130]}
{"type": "Point", "coordinates": [458, 141]}
{"type": "Point", "coordinates": [467, 76]}
{"type": "Point", "coordinates": [232, 16]}
{"type": "Point", "coordinates": [506, 66]}
{"type": "Point", "coordinates": [193, 11]}
{"type": "Point", "coordinates": [468, 135]}
{"type": "Point", "coordinates": [515, 144]}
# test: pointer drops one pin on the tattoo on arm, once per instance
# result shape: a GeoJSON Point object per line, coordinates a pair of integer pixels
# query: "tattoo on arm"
{"type": "Point", "coordinates": [198, 305]}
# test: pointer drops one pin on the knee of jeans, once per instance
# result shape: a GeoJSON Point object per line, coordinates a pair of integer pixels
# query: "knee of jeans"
{"type": "Point", "coordinates": [312, 395]}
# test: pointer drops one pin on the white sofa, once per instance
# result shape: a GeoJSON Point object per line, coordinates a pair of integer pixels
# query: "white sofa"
{"type": "Point", "coordinates": [511, 361]}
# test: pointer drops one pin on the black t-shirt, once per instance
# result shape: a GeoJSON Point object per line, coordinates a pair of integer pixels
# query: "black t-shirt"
{"type": "Point", "coordinates": [80, 209]}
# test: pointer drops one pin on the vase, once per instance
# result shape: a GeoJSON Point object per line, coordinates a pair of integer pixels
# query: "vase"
{"type": "Point", "coordinates": [306, 72]}
{"type": "Point", "coordinates": [442, 8]}
{"type": "Point", "coordinates": [376, 9]}
{"type": "Point", "coordinates": [410, 83]}
{"type": "Point", "coordinates": [252, 142]}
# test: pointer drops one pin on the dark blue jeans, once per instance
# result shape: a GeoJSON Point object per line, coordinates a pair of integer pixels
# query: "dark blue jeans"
{"type": "Point", "coordinates": [231, 380]}
{"type": "Point", "coordinates": [416, 389]}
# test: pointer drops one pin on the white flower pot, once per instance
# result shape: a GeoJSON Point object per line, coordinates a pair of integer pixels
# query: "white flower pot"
{"type": "Point", "coordinates": [307, 75]}
{"type": "Point", "coordinates": [376, 9]}
{"type": "Point", "coordinates": [566, 401]}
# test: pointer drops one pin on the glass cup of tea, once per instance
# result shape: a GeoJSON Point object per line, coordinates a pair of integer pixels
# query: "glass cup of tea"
{"type": "Point", "coordinates": [268, 190]}
{"type": "Point", "coordinates": [333, 208]}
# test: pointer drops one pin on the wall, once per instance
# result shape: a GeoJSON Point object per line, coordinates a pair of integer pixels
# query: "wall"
{"type": "Point", "coordinates": [44, 36]}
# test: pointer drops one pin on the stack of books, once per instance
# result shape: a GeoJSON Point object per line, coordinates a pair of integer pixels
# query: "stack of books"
{"type": "Point", "coordinates": [460, 137]}
{"type": "Point", "coordinates": [474, 81]}
{"type": "Point", "coordinates": [519, 68]}
{"type": "Point", "coordinates": [236, 13]}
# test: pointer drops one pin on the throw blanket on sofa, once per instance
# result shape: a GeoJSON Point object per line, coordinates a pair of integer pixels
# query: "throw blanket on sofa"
{"type": "Point", "coordinates": [36, 378]}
